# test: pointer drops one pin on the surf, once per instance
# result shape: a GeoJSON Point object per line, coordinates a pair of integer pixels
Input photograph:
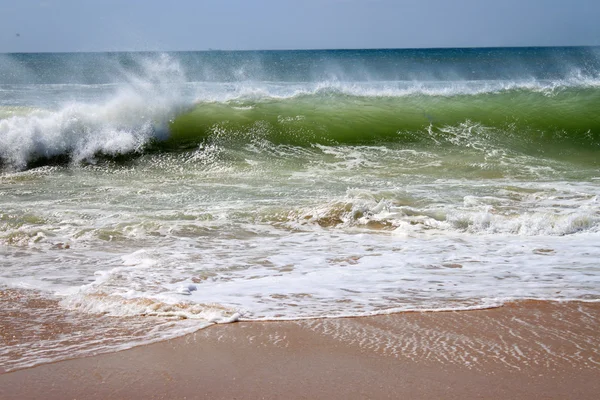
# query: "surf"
{"type": "Point", "coordinates": [290, 185]}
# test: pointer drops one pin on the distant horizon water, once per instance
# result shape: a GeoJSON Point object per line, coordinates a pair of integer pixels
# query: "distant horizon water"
{"type": "Point", "coordinates": [209, 49]}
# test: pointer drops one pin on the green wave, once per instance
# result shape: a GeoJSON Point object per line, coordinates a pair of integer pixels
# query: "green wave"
{"type": "Point", "coordinates": [561, 123]}
{"type": "Point", "coordinates": [516, 117]}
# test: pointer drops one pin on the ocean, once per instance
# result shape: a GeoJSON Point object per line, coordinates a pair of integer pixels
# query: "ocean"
{"type": "Point", "coordinates": [144, 196]}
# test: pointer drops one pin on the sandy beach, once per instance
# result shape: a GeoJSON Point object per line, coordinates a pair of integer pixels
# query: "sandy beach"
{"type": "Point", "coordinates": [522, 350]}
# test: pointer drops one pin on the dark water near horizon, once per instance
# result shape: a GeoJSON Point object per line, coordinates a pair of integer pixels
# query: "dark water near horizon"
{"type": "Point", "coordinates": [443, 64]}
{"type": "Point", "coordinates": [182, 189]}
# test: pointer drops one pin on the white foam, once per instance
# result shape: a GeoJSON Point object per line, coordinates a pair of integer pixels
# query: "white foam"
{"type": "Point", "coordinates": [123, 123]}
{"type": "Point", "coordinates": [257, 90]}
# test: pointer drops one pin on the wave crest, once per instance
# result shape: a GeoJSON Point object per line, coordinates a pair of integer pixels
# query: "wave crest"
{"type": "Point", "coordinates": [123, 123]}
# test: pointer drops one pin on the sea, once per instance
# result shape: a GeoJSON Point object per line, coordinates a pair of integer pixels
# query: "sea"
{"type": "Point", "coordinates": [144, 196]}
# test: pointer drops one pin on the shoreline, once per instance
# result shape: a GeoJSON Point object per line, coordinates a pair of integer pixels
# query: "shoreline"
{"type": "Point", "coordinates": [520, 350]}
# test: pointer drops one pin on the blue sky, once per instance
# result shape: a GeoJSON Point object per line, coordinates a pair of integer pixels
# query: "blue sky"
{"type": "Point", "coordinates": [111, 25]}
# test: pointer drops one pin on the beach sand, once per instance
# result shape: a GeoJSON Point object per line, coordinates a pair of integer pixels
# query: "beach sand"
{"type": "Point", "coordinates": [524, 350]}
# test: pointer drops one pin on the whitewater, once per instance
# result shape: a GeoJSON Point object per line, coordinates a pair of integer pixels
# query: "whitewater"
{"type": "Point", "coordinates": [144, 196]}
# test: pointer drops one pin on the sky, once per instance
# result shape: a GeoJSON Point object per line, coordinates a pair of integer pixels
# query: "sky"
{"type": "Point", "coordinates": [138, 25]}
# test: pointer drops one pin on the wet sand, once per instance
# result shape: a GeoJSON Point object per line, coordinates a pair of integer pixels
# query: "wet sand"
{"type": "Point", "coordinates": [524, 350]}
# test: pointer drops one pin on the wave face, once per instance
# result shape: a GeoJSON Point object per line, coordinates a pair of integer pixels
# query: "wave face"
{"type": "Point", "coordinates": [167, 192]}
{"type": "Point", "coordinates": [516, 118]}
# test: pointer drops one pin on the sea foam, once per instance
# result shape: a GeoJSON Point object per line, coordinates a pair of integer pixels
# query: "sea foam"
{"type": "Point", "coordinates": [138, 112]}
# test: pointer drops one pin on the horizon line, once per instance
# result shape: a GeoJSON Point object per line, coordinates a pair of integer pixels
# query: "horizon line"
{"type": "Point", "coordinates": [216, 50]}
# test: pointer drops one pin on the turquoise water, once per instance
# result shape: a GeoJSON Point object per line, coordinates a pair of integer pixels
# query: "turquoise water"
{"type": "Point", "coordinates": [184, 189]}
